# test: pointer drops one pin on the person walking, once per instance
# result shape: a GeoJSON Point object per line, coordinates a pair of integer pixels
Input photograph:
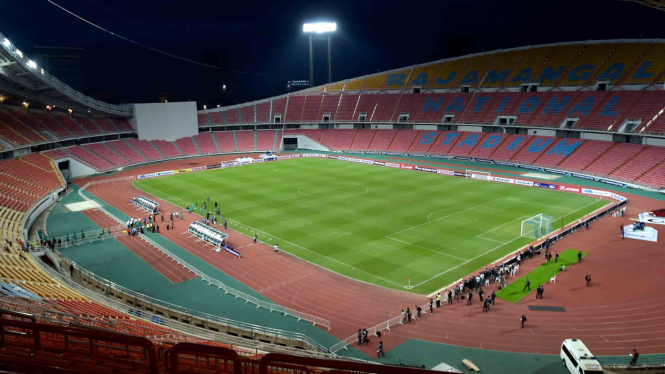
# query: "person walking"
{"type": "Point", "coordinates": [480, 294]}
{"type": "Point", "coordinates": [438, 300]}
{"type": "Point", "coordinates": [226, 225]}
{"type": "Point", "coordinates": [255, 238]}
{"type": "Point", "coordinates": [556, 257]}
{"type": "Point", "coordinates": [493, 296]}
{"type": "Point", "coordinates": [470, 296]}
{"type": "Point", "coordinates": [588, 280]}
{"type": "Point", "coordinates": [486, 306]}
{"type": "Point", "coordinates": [418, 311]}
{"type": "Point", "coordinates": [522, 319]}
{"type": "Point", "coordinates": [431, 305]}
{"type": "Point", "coordinates": [379, 351]}
{"type": "Point", "coordinates": [579, 256]}
{"type": "Point", "coordinates": [635, 356]}
{"type": "Point", "coordinates": [360, 336]}
{"type": "Point", "coordinates": [365, 336]}
{"type": "Point", "coordinates": [527, 284]}
{"type": "Point", "coordinates": [408, 314]}
{"type": "Point", "coordinates": [450, 297]}
{"type": "Point", "coordinates": [71, 269]}
{"type": "Point", "coordinates": [276, 248]}
{"type": "Point", "coordinates": [622, 232]}
{"type": "Point", "coordinates": [403, 317]}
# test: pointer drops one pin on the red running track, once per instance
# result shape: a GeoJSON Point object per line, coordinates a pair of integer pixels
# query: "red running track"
{"type": "Point", "coordinates": [618, 313]}
{"type": "Point", "coordinates": [170, 269]}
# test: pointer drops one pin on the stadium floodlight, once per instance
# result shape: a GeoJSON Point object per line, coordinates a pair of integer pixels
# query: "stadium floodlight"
{"type": "Point", "coordinates": [6, 42]}
{"type": "Point", "coordinates": [205, 107]}
{"type": "Point", "coordinates": [319, 28]}
{"type": "Point", "coordinates": [32, 64]}
{"type": "Point", "coordinates": [18, 52]}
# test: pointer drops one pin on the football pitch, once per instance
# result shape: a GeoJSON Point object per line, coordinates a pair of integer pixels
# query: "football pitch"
{"type": "Point", "coordinates": [375, 224]}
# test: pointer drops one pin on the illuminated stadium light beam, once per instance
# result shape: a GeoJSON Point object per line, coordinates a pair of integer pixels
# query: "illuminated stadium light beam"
{"type": "Point", "coordinates": [6, 42]}
{"type": "Point", "coordinates": [32, 64]}
{"type": "Point", "coordinates": [319, 28]}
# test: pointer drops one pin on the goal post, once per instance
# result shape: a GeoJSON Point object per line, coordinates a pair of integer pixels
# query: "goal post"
{"type": "Point", "coordinates": [537, 226]}
{"type": "Point", "coordinates": [480, 175]}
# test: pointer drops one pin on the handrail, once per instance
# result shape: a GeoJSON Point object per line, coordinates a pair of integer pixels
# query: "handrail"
{"type": "Point", "coordinates": [227, 289]}
{"type": "Point", "coordinates": [197, 349]}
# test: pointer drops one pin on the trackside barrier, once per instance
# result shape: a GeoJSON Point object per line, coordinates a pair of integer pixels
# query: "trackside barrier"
{"type": "Point", "coordinates": [140, 301]}
{"type": "Point", "coordinates": [228, 290]}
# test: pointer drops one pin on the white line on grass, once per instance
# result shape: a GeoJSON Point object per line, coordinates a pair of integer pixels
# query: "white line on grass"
{"type": "Point", "coordinates": [479, 236]}
{"type": "Point", "coordinates": [440, 218]}
{"type": "Point", "coordinates": [530, 203]}
{"type": "Point", "coordinates": [427, 249]}
{"type": "Point", "coordinates": [286, 241]}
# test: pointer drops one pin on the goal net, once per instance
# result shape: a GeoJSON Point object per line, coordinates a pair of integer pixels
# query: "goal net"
{"type": "Point", "coordinates": [537, 227]}
{"type": "Point", "coordinates": [480, 175]}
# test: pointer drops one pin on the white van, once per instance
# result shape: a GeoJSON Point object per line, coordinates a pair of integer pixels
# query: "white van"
{"type": "Point", "coordinates": [578, 359]}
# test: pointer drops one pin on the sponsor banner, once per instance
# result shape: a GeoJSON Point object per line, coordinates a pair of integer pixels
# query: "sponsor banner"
{"type": "Point", "coordinates": [484, 160]}
{"type": "Point", "coordinates": [368, 162]}
{"type": "Point", "coordinates": [553, 171]}
{"type": "Point", "coordinates": [445, 172]}
{"type": "Point", "coordinates": [163, 173]}
{"type": "Point", "coordinates": [545, 185]}
{"type": "Point", "coordinates": [613, 183]}
{"type": "Point", "coordinates": [144, 176]}
{"type": "Point", "coordinates": [199, 168]}
{"type": "Point", "coordinates": [429, 170]}
{"type": "Point", "coordinates": [523, 183]}
{"type": "Point", "coordinates": [459, 174]}
{"type": "Point", "coordinates": [356, 160]}
{"type": "Point", "coordinates": [182, 171]}
{"type": "Point", "coordinates": [504, 180]}
{"type": "Point", "coordinates": [528, 167]}
{"type": "Point", "coordinates": [263, 159]}
{"type": "Point", "coordinates": [439, 156]}
{"type": "Point", "coordinates": [380, 163]}
{"type": "Point", "coordinates": [463, 158]}
{"type": "Point", "coordinates": [648, 218]}
{"type": "Point", "coordinates": [618, 197]}
{"type": "Point", "coordinates": [481, 177]}
{"type": "Point", "coordinates": [332, 156]}
{"type": "Point", "coordinates": [313, 155]}
{"type": "Point", "coordinates": [408, 167]}
{"type": "Point", "coordinates": [569, 189]}
{"type": "Point", "coordinates": [343, 158]}
{"type": "Point", "coordinates": [392, 165]}
{"type": "Point", "coordinates": [504, 163]}
{"type": "Point", "coordinates": [591, 192]}
{"type": "Point", "coordinates": [213, 166]}
{"type": "Point", "coordinates": [582, 176]}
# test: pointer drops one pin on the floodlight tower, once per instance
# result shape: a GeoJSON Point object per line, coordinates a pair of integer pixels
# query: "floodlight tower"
{"type": "Point", "coordinates": [319, 28]}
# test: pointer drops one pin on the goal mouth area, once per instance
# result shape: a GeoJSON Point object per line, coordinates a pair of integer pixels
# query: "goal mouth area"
{"type": "Point", "coordinates": [537, 227]}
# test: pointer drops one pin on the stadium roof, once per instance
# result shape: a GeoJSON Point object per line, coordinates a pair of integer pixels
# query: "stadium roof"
{"type": "Point", "coordinates": [21, 80]}
{"type": "Point", "coordinates": [658, 4]}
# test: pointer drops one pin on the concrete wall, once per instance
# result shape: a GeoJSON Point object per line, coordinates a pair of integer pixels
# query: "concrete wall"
{"type": "Point", "coordinates": [36, 210]}
{"type": "Point", "coordinates": [542, 132]}
{"type": "Point", "coordinates": [165, 121]}
{"type": "Point", "coordinates": [596, 136]}
{"type": "Point", "coordinates": [305, 142]}
{"type": "Point", "coordinates": [654, 141]}
{"type": "Point", "coordinates": [77, 169]}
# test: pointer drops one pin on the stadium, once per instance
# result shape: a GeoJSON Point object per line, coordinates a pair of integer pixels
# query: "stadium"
{"type": "Point", "coordinates": [397, 222]}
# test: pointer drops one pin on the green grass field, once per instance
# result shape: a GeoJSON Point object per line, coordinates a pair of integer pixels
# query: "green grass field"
{"type": "Point", "coordinates": [514, 292]}
{"type": "Point", "coordinates": [371, 223]}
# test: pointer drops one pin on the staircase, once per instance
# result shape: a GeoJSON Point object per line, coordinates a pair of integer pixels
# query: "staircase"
{"type": "Point", "coordinates": [214, 140]}
{"type": "Point", "coordinates": [159, 150]}
{"type": "Point", "coordinates": [256, 135]}
{"type": "Point", "coordinates": [118, 153]}
{"type": "Point", "coordinates": [275, 145]}
{"type": "Point", "coordinates": [196, 145]}
{"type": "Point", "coordinates": [178, 148]}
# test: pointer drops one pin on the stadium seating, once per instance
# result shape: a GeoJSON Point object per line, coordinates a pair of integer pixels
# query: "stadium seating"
{"type": "Point", "coordinates": [338, 140]}
{"type": "Point", "coordinates": [510, 146]}
{"type": "Point", "coordinates": [503, 104]}
{"type": "Point", "coordinates": [265, 140]}
{"type": "Point", "coordinates": [467, 142]}
{"type": "Point", "coordinates": [72, 126]}
{"type": "Point", "coordinates": [147, 149]}
{"type": "Point", "coordinates": [614, 158]}
{"type": "Point", "coordinates": [408, 104]}
{"type": "Point", "coordinates": [528, 68]}
{"type": "Point", "coordinates": [31, 123]}
{"type": "Point", "coordinates": [56, 154]}
{"type": "Point", "coordinates": [310, 111]}
{"type": "Point", "coordinates": [645, 108]}
{"type": "Point", "coordinates": [488, 145]}
{"type": "Point", "coordinates": [216, 118]}
{"type": "Point", "coordinates": [445, 142]}
{"type": "Point", "coordinates": [532, 150]}
{"type": "Point", "coordinates": [245, 141]}
{"type": "Point", "coordinates": [202, 119]}
{"type": "Point", "coordinates": [206, 143]}
{"type": "Point", "coordinates": [585, 155]}
{"type": "Point", "coordinates": [106, 125]}
{"type": "Point", "coordinates": [650, 67]}
{"type": "Point", "coordinates": [247, 114]}
{"type": "Point", "coordinates": [314, 134]}
{"type": "Point", "coordinates": [295, 107]}
{"type": "Point", "coordinates": [232, 116]}
{"type": "Point", "coordinates": [403, 140]}
{"type": "Point", "coordinates": [90, 159]}
{"type": "Point", "coordinates": [122, 124]}
{"type": "Point", "coordinates": [423, 142]}
{"type": "Point", "coordinates": [53, 126]}
{"type": "Point", "coordinates": [655, 176]}
{"type": "Point", "coordinates": [474, 69]}
{"type": "Point", "coordinates": [347, 106]}
{"type": "Point", "coordinates": [263, 112]}
{"type": "Point", "coordinates": [126, 151]}
{"type": "Point", "coordinates": [16, 132]}
{"type": "Point", "coordinates": [385, 107]}
{"type": "Point", "coordinates": [187, 147]}
{"type": "Point", "coordinates": [88, 125]}
{"type": "Point", "coordinates": [643, 162]}
{"type": "Point", "coordinates": [167, 148]}
{"type": "Point", "coordinates": [366, 105]}
{"type": "Point", "coordinates": [328, 106]}
{"type": "Point", "coordinates": [107, 154]}
{"type": "Point", "coordinates": [363, 139]}
{"type": "Point", "coordinates": [477, 108]}
{"type": "Point", "coordinates": [225, 141]}
{"type": "Point", "coordinates": [382, 140]}
{"type": "Point", "coordinates": [560, 150]}
{"type": "Point", "coordinates": [278, 108]}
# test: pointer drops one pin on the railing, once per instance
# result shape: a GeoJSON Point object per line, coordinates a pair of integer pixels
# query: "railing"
{"type": "Point", "coordinates": [89, 236]}
{"type": "Point", "coordinates": [227, 289]}
{"type": "Point", "coordinates": [198, 332]}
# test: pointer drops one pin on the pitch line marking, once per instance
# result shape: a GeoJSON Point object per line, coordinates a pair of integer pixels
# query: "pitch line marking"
{"type": "Point", "coordinates": [427, 249]}
{"type": "Point", "coordinates": [440, 218]}
{"type": "Point", "coordinates": [530, 203]}
{"type": "Point", "coordinates": [295, 245]}
{"type": "Point", "coordinates": [440, 210]}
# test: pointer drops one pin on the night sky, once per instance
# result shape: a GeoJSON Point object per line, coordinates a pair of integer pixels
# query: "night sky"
{"type": "Point", "coordinates": [266, 38]}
